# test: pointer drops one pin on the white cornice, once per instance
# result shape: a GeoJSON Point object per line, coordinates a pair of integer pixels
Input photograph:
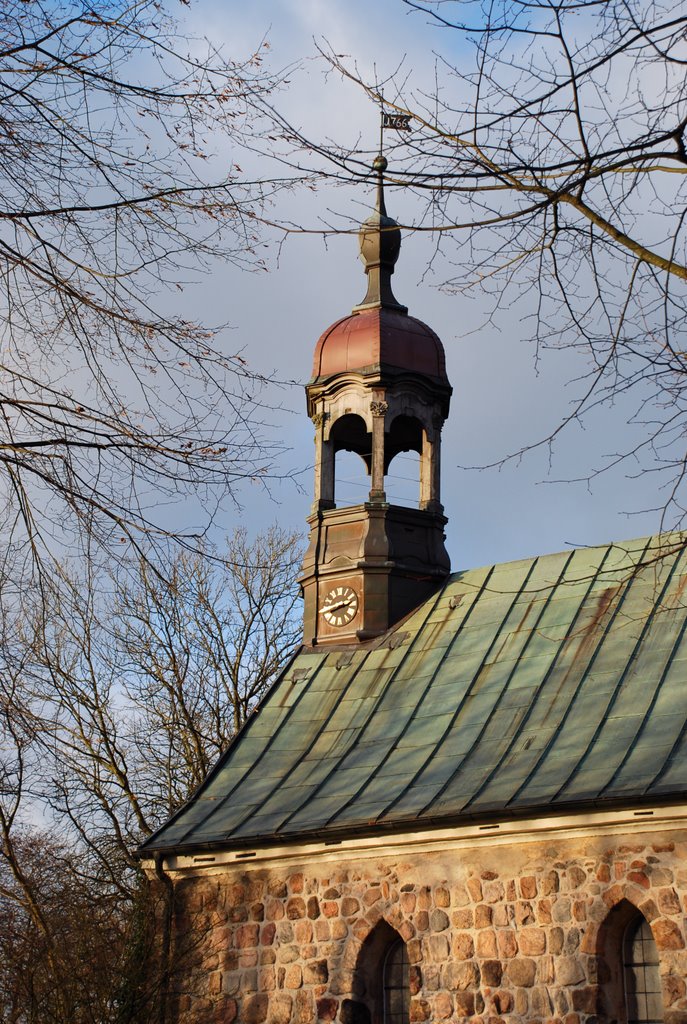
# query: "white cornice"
{"type": "Point", "coordinates": [461, 837]}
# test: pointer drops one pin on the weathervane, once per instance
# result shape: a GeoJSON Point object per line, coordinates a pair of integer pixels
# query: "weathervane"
{"type": "Point", "coordinates": [398, 122]}
{"type": "Point", "coordinates": [401, 122]}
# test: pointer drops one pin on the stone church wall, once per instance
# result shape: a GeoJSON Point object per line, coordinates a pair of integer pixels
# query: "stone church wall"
{"type": "Point", "coordinates": [521, 933]}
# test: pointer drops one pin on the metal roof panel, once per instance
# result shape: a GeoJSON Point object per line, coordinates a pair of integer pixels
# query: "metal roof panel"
{"type": "Point", "coordinates": [552, 681]}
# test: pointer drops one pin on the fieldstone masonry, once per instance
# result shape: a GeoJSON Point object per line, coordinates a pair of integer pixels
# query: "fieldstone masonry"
{"type": "Point", "coordinates": [520, 933]}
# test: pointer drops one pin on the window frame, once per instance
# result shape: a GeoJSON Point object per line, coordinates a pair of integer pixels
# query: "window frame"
{"type": "Point", "coordinates": [641, 973]}
{"type": "Point", "coordinates": [402, 967]}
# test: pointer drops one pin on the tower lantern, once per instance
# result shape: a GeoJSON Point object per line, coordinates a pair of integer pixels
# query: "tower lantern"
{"type": "Point", "coordinates": [379, 387]}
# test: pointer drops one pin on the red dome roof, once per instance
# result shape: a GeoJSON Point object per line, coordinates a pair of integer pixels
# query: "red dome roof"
{"type": "Point", "coordinates": [379, 338]}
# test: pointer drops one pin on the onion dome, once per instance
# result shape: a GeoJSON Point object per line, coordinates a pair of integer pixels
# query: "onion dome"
{"type": "Point", "coordinates": [379, 337]}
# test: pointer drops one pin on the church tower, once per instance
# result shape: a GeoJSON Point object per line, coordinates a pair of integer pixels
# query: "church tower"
{"type": "Point", "coordinates": [379, 387]}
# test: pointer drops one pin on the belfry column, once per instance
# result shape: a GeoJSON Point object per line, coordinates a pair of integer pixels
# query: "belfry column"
{"type": "Point", "coordinates": [430, 469]}
{"type": "Point", "coordinates": [377, 492]}
{"type": "Point", "coordinates": [324, 465]}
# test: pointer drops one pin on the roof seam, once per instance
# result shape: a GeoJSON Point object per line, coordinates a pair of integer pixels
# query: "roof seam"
{"type": "Point", "coordinates": [664, 675]}
{"type": "Point", "coordinates": [637, 646]}
{"type": "Point", "coordinates": [580, 761]}
{"type": "Point", "coordinates": [373, 710]}
{"type": "Point", "coordinates": [216, 807]}
{"type": "Point", "coordinates": [470, 689]}
{"type": "Point", "coordinates": [224, 757]}
{"type": "Point", "coordinates": [593, 579]}
{"type": "Point", "coordinates": [413, 716]}
{"type": "Point", "coordinates": [303, 754]}
{"type": "Point", "coordinates": [566, 713]}
{"type": "Point", "coordinates": [518, 732]}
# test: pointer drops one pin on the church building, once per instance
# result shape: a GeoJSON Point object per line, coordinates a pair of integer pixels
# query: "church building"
{"type": "Point", "coordinates": [464, 799]}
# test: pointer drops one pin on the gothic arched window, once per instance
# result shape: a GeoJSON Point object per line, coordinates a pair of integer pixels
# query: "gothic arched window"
{"type": "Point", "coordinates": [381, 987]}
{"type": "Point", "coordinates": [396, 984]}
{"type": "Point", "coordinates": [643, 1000]}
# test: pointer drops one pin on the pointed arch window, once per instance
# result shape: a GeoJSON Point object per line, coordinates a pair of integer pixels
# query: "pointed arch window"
{"type": "Point", "coordinates": [642, 981]}
{"type": "Point", "coordinates": [380, 992]}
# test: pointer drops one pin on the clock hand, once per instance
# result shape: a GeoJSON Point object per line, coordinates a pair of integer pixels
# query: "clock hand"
{"type": "Point", "coordinates": [339, 604]}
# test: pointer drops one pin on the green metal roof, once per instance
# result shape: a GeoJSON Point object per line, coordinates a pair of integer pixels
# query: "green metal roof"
{"type": "Point", "coordinates": [552, 683]}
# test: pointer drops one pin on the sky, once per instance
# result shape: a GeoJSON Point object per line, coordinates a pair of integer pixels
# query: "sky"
{"type": "Point", "coordinates": [502, 399]}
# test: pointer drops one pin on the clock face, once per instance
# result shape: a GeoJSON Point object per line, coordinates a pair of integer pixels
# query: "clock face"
{"type": "Point", "coordinates": [340, 606]}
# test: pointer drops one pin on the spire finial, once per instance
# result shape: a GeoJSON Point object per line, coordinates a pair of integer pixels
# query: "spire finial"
{"type": "Point", "coordinates": [380, 244]}
{"type": "Point", "coordinates": [380, 165]}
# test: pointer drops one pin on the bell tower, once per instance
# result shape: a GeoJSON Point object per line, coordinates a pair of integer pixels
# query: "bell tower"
{"type": "Point", "coordinates": [379, 387]}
